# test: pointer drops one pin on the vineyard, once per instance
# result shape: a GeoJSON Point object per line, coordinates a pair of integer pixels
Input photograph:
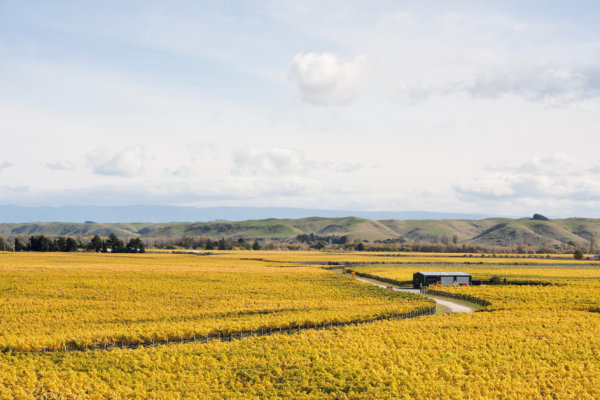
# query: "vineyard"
{"type": "Point", "coordinates": [570, 288]}
{"type": "Point", "coordinates": [51, 302]}
{"type": "Point", "coordinates": [532, 342]}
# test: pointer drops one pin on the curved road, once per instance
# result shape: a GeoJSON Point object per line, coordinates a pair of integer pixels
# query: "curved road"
{"type": "Point", "coordinates": [453, 306]}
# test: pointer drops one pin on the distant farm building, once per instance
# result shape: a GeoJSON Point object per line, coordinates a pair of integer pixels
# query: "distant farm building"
{"type": "Point", "coordinates": [443, 278]}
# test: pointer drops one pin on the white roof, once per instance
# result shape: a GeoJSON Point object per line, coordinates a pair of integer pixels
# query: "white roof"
{"type": "Point", "coordinates": [429, 273]}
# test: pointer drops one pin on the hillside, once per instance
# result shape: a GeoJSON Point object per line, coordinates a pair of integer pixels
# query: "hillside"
{"type": "Point", "coordinates": [491, 231]}
{"type": "Point", "coordinates": [162, 214]}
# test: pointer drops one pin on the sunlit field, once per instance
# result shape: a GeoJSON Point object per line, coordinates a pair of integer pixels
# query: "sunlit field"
{"type": "Point", "coordinates": [409, 257]}
{"type": "Point", "coordinates": [76, 300]}
{"type": "Point", "coordinates": [570, 287]}
{"type": "Point", "coordinates": [533, 342]}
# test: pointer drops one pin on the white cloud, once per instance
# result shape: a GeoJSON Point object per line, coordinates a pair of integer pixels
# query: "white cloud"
{"type": "Point", "coordinates": [61, 165]}
{"type": "Point", "coordinates": [542, 166]}
{"type": "Point", "coordinates": [284, 162]}
{"type": "Point", "coordinates": [325, 79]}
{"type": "Point", "coordinates": [181, 172]}
{"type": "Point", "coordinates": [199, 150]}
{"type": "Point", "coordinates": [560, 84]}
{"type": "Point", "coordinates": [6, 165]}
{"type": "Point", "coordinates": [542, 180]}
{"type": "Point", "coordinates": [275, 161]}
{"type": "Point", "coordinates": [128, 162]}
{"type": "Point", "coordinates": [250, 190]}
{"type": "Point", "coordinates": [343, 167]}
{"type": "Point", "coordinates": [550, 84]}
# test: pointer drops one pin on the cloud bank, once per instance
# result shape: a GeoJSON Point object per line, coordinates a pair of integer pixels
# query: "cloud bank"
{"type": "Point", "coordinates": [551, 180]}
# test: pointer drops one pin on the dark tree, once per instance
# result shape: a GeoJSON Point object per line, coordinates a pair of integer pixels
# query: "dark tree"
{"type": "Point", "coordinates": [96, 244]}
{"type": "Point", "coordinates": [40, 243]}
{"type": "Point", "coordinates": [135, 245]}
{"type": "Point", "coordinates": [578, 254]}
{"type": "Point", "coordinates": [19, 246]}
{"type": "Point", "coordinates": [319, 245]}
{"type": "Point", "coordinates": [256, 246]}
{"type": "Point", "coordinates": [71, 245]}
{"type": "Point", "coordinates": [60, 244]}
{"type": "Point", "coordinates": [115, 244]}
{"type": "Point", "coordinates": [360, 247]}
{"type": "Point", "coordinates": [3, 244]}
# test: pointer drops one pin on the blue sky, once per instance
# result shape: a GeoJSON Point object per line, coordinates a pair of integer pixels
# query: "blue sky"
{"type": "Point", "coordinates": [463, 106]}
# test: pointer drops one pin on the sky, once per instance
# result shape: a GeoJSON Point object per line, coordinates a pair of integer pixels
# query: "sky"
{"type": "Point", "coordinates": [486, 107]}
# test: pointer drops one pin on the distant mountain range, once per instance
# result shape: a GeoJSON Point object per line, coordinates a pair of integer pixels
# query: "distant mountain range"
{"type": "Point", "coordinates": [158, 214]}
{"type": "Point", "coordinates": [490, 231]}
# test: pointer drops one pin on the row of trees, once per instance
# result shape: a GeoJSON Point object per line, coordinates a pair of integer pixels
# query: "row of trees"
{"type": "Point", "coordinates": [318, 242]}
{"type": "Point", "coordinates": [113, 244]}
{"type": "Point", "coordinates": [43, 243]}
{"type": "Point", "coordinates": [205, 243]}
{"type": "Point", "coordinates": [313, 239]}
{"type": "Point", "coordinates": [440, 247]}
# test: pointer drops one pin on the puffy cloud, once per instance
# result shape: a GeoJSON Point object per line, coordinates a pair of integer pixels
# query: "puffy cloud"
{"type": "Point", "coordinates": [6, 165]}
{"type": "Point", "coordinates": [128, 162]}
{"type": "Point", "coordinates": [62, 165]}
{"type": "Point", "coordinates": [325, 79]}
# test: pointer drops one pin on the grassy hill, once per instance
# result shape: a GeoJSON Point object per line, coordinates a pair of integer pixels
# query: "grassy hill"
{"type": "Point", "coordinates": [492, 231]}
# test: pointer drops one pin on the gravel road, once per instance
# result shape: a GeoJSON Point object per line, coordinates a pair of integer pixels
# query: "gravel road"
{"type": "Point", "coordinates": [453, 306]}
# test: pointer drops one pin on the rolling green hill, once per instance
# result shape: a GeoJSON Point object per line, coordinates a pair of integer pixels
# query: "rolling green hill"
{"type": "Point", "coordinates": [492, 231]}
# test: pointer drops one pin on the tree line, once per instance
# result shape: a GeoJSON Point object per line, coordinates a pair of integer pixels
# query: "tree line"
{"type": "Point", "coordinates": [205, 243]}
{"type": "Point", "coordinates": [42, 243]}
{"type": "Point", "coordinates": [112, 244]}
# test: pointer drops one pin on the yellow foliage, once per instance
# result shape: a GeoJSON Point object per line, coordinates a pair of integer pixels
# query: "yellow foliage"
{"type": "Point", "coordinates": [534, 342]}
{"type": "Point", "coordinates": [49, 300]}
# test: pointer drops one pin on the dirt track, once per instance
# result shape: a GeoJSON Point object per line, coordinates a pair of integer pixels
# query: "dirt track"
{"type": "Point", "coordinates": [452, 306]}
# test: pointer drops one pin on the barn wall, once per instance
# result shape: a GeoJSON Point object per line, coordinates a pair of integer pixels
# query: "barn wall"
{"type": "Point", "coordinates": [463, 279]}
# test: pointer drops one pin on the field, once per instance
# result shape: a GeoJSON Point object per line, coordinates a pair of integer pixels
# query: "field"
{"type": "Point", "coordinates": [533, 342]}
{"type": "Point", "coordinates": [570, 287]}
{"type": "Point", "coordinates": [55, 300]}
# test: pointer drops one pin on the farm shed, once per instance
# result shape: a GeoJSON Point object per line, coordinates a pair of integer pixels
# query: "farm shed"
{"type": "Point", "coordinates": [443, 278]}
